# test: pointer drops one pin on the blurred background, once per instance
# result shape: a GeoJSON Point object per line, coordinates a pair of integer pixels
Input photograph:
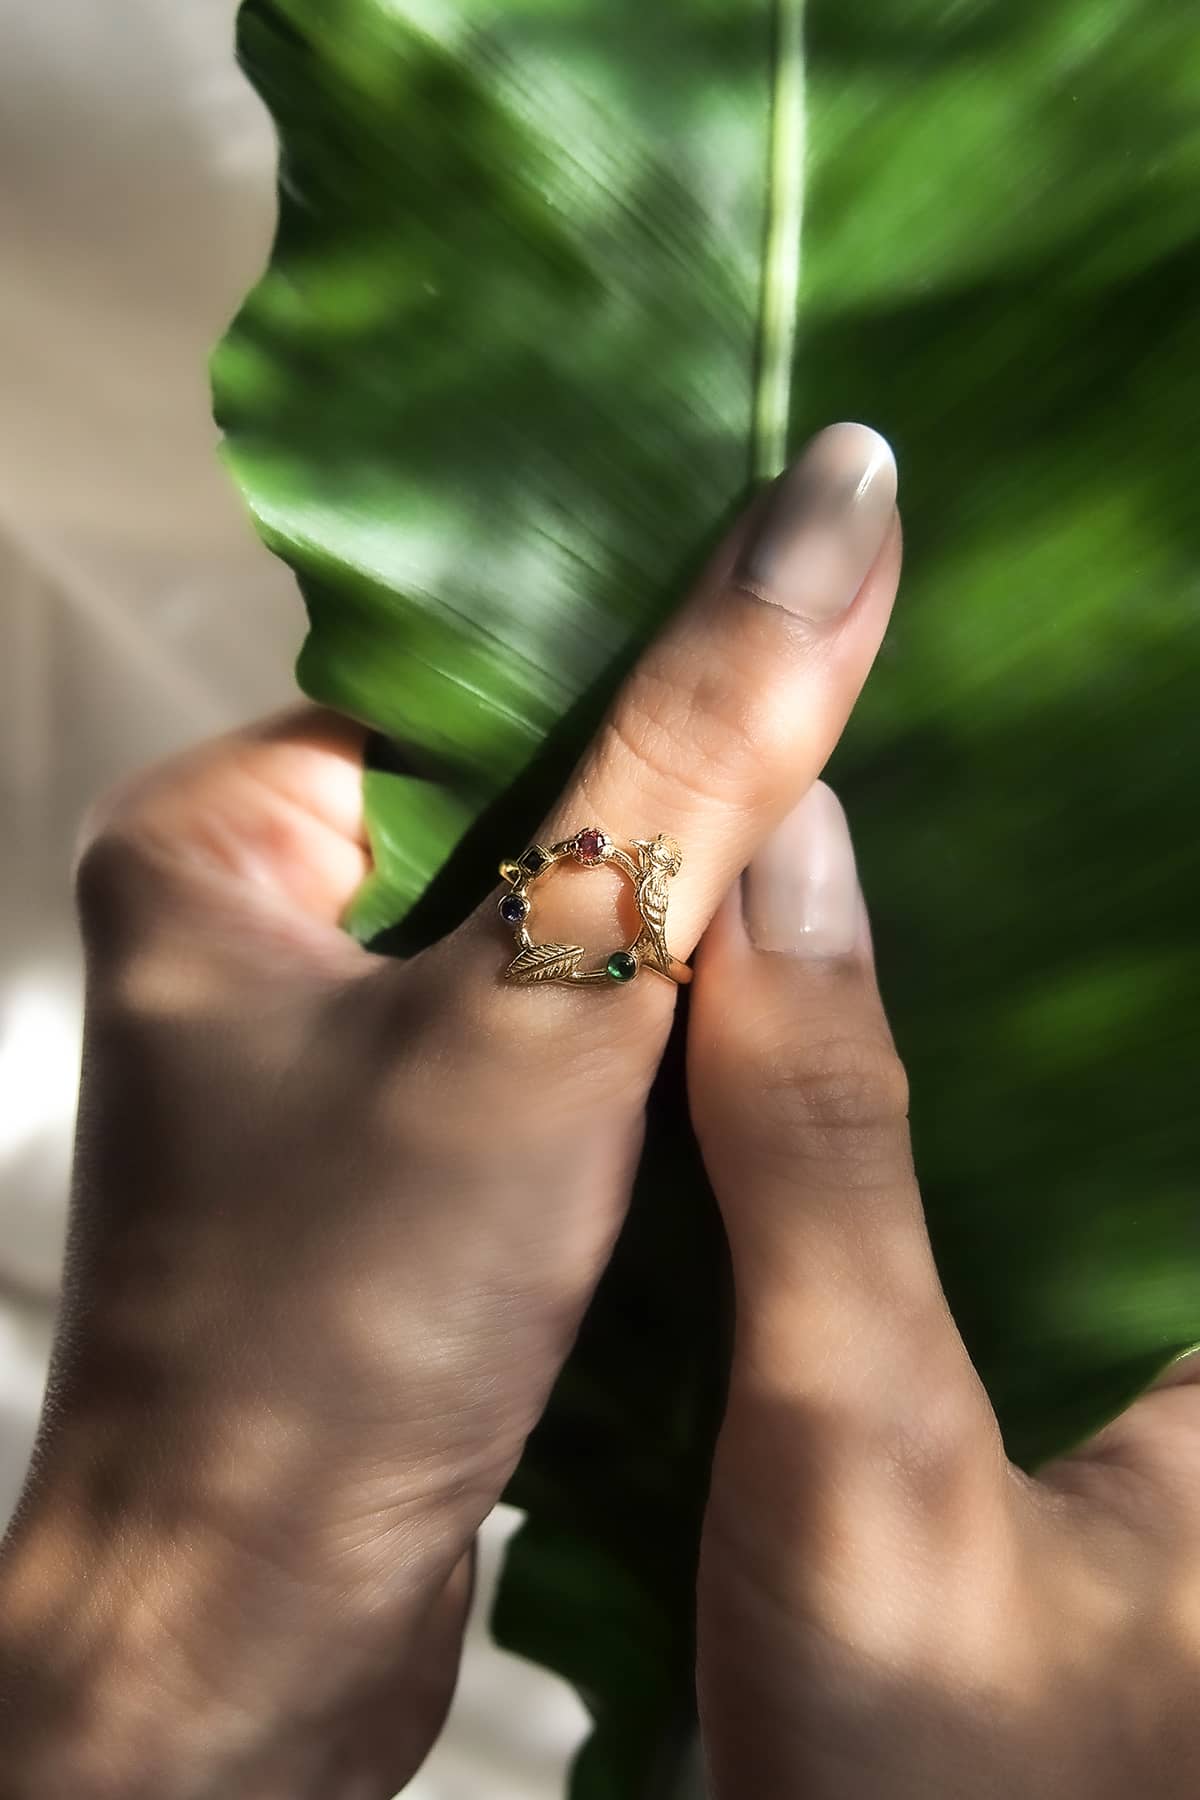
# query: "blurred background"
{"type": "Point", "coordinates": [137, 611]}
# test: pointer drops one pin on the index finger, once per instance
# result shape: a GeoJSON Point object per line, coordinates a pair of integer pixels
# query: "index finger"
{"type": "Point", "coordinates": [732, 712]}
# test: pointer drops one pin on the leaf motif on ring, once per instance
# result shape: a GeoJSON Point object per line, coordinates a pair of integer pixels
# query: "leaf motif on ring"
{"type": "Point", "coordinates": [545, 962]}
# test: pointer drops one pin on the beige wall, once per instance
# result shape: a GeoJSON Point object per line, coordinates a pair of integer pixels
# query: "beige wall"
{"type": "Point", "coordinates": [136, 610]}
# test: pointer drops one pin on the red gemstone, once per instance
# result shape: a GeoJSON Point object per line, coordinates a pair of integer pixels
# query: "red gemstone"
{"type": "Point", "coordinates": [590, 846]}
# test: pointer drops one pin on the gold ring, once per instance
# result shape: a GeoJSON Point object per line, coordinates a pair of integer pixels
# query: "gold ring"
{"type": "Point", "coordinates": [651, 866]}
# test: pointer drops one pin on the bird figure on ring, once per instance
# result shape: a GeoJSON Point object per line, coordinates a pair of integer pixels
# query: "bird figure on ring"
{"type": "Point", "coordinates": [659, 859]}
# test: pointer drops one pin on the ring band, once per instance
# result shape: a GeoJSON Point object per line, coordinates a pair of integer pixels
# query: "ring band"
{"type": "Point", "coordinates": [649, 864]}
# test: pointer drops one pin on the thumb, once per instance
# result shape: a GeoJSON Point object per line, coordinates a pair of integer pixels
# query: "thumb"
{"type": "Point", "coordinates": [844, 1338]}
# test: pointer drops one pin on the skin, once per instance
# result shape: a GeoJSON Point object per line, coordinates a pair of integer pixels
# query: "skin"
{"type": "Point", "coordinates": [336, 1222]}
{"type": "Point", "coordinates": [888, 1608]}
{"type": "Point", "coordinates": [335, 1225]}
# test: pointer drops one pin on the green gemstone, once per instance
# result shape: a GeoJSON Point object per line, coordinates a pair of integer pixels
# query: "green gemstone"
{"type": "Point", "coordinates": [621, 966]}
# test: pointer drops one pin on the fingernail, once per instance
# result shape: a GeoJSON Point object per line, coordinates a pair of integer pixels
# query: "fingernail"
{"type": "Point", "coordinates": [824, 524]}
{"type": "Point", "coordinates": [800, 894]}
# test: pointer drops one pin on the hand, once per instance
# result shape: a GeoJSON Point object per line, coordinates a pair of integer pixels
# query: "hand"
{"type": "Point", "coordinates": [337, 1219]}
{"type": "Point", "coordinates": [888, 1609]}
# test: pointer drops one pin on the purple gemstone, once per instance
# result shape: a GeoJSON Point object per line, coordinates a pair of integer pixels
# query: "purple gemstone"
{"type": "Point", "coordinates": [513, 909]}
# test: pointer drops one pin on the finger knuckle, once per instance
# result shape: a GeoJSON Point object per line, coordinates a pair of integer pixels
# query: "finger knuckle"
{"type": "Point", "coordinates": [912, 1446]}
{"type": "Point", "coordinates": [108, 867]}
{"type": "Point", "coordinates": [735, 722]}
{"type": "Point", "coordinates": [834, 1085]}
{"type": "Point", "coordinates": [110, 844]}
{"type": "Point", "coordinates": [706, 730]}
{"type": "Point", "coordinates": [928, 1423]}
{"type": "Point", "coordinates": [122, 857]}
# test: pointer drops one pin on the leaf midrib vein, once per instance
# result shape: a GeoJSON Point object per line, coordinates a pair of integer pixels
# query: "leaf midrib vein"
{"type": "Point", "coordinates": [782, 257]}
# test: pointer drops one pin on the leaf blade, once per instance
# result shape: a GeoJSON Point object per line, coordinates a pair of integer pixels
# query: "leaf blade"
{"type": "Point", "coordinates": [992, 263]}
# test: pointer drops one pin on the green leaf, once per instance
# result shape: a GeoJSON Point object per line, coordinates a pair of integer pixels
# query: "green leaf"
{"type": "Point", "coordinates": [503, 380]}
{"type": "Point", "coordinates": [1000, 246]}
{"type": "Point", "coordinates": [410, 821]}
{"type": "Point", "coordinates": [495, 391]}
{"type": "Point", "coordinates": [491, 400]}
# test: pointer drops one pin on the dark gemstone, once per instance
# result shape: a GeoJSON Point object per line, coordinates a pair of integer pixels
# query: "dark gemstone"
{"type": "Point", "coordinates": [513, 909]}
{"type": "Point", "coordinates": [622, 965]}
{"type": "Point", "coordinates": [535, 860]}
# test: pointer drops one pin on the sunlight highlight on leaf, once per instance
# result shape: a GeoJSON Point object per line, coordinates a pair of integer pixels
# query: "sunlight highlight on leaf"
{"type": "Point", "coordinates": [529, 326]}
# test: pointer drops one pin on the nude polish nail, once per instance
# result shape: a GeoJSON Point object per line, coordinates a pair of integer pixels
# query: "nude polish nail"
{"type": "Point", "coordinates": [800, 894]}
{"type": "Point", "coordinates": [824, 523]}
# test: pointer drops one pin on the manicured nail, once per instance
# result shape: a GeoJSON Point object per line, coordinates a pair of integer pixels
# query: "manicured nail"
{"type": "Point", "coordinates": [800, 894]}
{"type": "Point", "coordinates": [824, 524]}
